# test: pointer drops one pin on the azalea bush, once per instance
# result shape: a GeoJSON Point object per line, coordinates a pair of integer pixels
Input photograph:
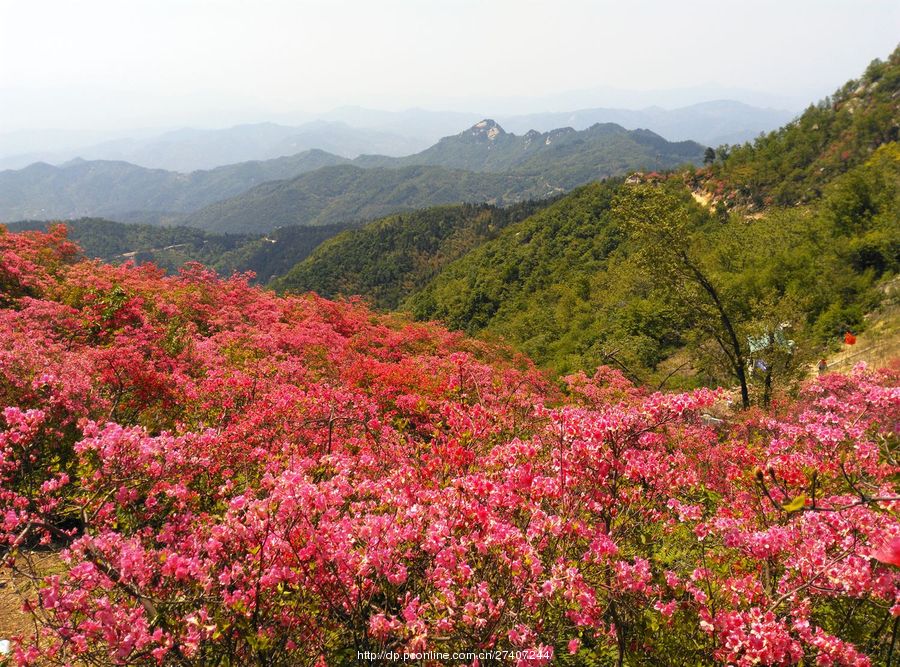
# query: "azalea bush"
{"type": "Point", "coordinates": [232, 477]}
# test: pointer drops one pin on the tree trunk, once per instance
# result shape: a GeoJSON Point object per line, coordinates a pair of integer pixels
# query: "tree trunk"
{"type": "Point", "coordinates": [738, 355]}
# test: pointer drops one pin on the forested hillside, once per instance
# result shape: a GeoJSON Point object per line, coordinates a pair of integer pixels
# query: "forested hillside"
{"type": "Point", "coordinates": [510, 169]}
{"type": "Point", "coordinates": [388, 259]}
{"type": "Point", "coordinates": [673, 288]}
{"type": "Point", "coordinates": [116, 242]}
{"type": "Point", "coordinates": [338, 194]}
{"type": "Point", "coordinates": [642, 276]}
{"type": "Point", "coordinates": [792, 165]}
{"type": "Point", "coordinates": [170, 248]}
{"type": "Point", "coordinates": [565, 285]}
{"type": "Point", "coordinates": [277, 251]}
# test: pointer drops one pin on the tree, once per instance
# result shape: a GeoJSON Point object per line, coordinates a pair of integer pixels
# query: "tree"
{"type": "Point", "coordinates": [722, 152]}
{"type": "Point", "coordinates": [660, 223]}
{"type": "Point", "coordinates": [709, 156]}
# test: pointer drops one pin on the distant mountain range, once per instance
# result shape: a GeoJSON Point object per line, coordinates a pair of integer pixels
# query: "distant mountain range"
{"type": "Point", "coordinates": [710, 123]}
{"type": "Point", "coordinates": [190, 149]}
{"type": "Point", "coordinates": [565, 157]}
{"type": "Point", "coordinates": [82, 188]}
{"type": "Point", "coordinates": [482, 164]}
{"type": "Point", "coordinates": [353, 131]}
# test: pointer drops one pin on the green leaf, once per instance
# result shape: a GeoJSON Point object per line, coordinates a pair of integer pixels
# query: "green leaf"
{"type": "Point", "coordinates": [796, 504]}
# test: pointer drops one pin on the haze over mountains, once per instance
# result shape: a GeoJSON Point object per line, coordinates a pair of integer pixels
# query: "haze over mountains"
{"type": "Point", "coordinates": [353, 131]}
{"type": "Point", "coordinates": [710, 123]}
{"type": "Point", "coordinates": [191, 149]}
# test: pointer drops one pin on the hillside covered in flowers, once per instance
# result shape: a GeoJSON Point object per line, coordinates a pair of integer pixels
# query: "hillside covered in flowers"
{"type": "Point", "coordinates": [224, 476]}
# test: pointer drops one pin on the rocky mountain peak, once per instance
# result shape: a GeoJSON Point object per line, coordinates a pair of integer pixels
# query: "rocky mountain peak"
{"type": "Point", "coordinates": [488, 129]}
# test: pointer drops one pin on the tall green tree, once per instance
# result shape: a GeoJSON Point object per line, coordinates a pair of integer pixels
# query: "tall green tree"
{"type": "Point", "coordinates": [663, 225]}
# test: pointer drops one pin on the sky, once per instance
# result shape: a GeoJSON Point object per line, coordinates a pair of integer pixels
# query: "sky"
{"type": "Point", "coordinates": [124, 64]}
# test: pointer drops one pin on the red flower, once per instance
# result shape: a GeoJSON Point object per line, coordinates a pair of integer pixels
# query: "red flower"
{"type": "Point", "coordinates": [889, 552]}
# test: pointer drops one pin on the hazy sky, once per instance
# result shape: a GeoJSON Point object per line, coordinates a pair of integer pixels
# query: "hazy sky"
{"type": "Point", "coordinates": [107, 64]}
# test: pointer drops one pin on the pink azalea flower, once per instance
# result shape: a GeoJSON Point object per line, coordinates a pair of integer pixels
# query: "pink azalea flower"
{"type": "Point", "coordinates": [889, 552]}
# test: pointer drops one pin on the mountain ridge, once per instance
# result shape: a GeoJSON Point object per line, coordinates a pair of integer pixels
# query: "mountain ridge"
{"type": "Point", "coordinates": [487, 146]}
{"type": "Point", "coordinates": [520, 168]}
{"type": "Point", "coordinates": [484, 163]}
